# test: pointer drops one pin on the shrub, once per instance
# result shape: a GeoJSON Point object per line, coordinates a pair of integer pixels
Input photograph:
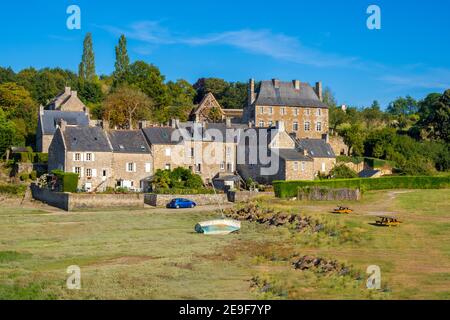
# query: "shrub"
{"type": "Point", "coordinates": [67, 180]}
{"type": "Point", "coordinates": [343, 172]}
{"type": "Point", "coordinates": [286, 189]}
{"type": "Point", "coordinates": [180, 178]}
{"type": "Point", "coordinates": [24, 176]}
{"type": "Point", "coordinates": [33, 175]}
{"type": "Point", "coordinates": [13, 189]}
{"type": "Point", "coordinates": [184, 191]}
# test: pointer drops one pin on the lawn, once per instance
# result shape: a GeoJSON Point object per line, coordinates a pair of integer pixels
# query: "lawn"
{"type": "Point", "coordinates": [148, 254]}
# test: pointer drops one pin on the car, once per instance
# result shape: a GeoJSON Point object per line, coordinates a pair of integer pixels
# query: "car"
{"type": "Point", "coordinates": [180, 203]}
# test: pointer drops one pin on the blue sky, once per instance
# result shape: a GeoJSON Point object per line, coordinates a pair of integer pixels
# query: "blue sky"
{"type": "Point", "coordinates": [236, 40]}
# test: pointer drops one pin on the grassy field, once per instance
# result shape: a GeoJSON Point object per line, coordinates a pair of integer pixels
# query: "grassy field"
{"type": "Point", "coordinates": [148, 254]}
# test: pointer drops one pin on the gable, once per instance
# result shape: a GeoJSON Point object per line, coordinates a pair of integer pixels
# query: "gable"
{"type": "Point", "coordinates": [209, 102]}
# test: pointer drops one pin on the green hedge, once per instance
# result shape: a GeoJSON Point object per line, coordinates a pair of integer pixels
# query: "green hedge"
{"type": "Point", "coordinates": [289, 189]}
{"type": "Point", "coordinates": [184, 191]}
{"type": "Point", "coordinates": [13, 189]}
{"type": "Point", "coordinates": [68, 180]}
{"type": "Point", "coordinates": [372, 162]}
{"type": "Point", "coordinates": [30, 157]}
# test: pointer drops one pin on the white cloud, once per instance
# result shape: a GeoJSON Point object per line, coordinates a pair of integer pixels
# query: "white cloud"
{"type": "Point", "coordinates": [423, 78]}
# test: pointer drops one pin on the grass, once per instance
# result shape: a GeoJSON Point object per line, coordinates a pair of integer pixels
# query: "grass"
{"type": "Point", "coordinates": [145, 254]}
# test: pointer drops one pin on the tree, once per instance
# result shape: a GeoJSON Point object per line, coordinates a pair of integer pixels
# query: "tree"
{"type": "Point", "coordinates": [372, 115]}
{"type": "Point", "coordinates": [7, 75]}
{"type": "Point", "coordinates": [148, 79]}
{"type": "Point", "coordinates": [124, 106]}
{"type": "Point", "coordinates": [354, 138]}
{"type": "Point", "coordinates": [328, 98]}
{"type": "Point", "coordinates": [8, 135]}
{"type": "Point", "coordinates": [86, 69]}
{"type": "Point", "coordinates": [405, 106]}
{"type": "Point", "coordinates": [229, 95]}
{"type": "Point", "coordinates": [122, 60]}
{"type": "Point", "coordinates": [436, 119]}
{"type": "Point", "coordinates": [341, 171]}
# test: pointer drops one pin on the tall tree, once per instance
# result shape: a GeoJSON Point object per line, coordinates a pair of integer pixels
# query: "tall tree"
{"type": "Point", "coordinates": [122, 60]}
{"type": "Point", "coordinates": [126, 105]}
{"type": "Point", "coordinates": [86, 69]}
{"type": "Point", "coordinates": [437, 119]}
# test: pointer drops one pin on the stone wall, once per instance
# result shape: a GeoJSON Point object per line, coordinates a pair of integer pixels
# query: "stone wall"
{"type": "Point", "coordinates": [161, 200]}
{"type": "Point", "coordinates": [74, 201]}
{"type": "Point", "coordinates": [327, 194]}
{"type": "Point", "coordinates": [246, 196]}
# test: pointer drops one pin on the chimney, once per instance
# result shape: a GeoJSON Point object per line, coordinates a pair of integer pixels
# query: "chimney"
{"type": "Point", "coordinates": [276, 83]}
{"type": "Point", "coordinates": [41, 110]}
{"type": "Point", "coordinates": [62, 125]}
{"type": "Point", "coordinates": [105, 124]}
{"type": "Point", "coordinates": [228, 122]}
{"type": "Point", "coordinates": [67, 91]}
{"type": "Point", "coordinates": [326, 137]}
{"type": "Point", "coordinates": [296, 84]}
{"type": "Point", "coordinates": [251, 92]}
{"type": "Point", "coordinates": [280, 126]}
{"type": "Point", "coordinates": [319, 90]}
{"type": "Point", "coordinates": [175, 123]}
{"type": "Point", "coordinates": [74, 93]}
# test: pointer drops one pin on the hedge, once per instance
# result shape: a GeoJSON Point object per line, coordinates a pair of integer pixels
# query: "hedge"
{"type": "Point", "coordinates": [372, 162]}
{"type": "Point", "coordinates": [67, 180]}
{"type": "Point", "coordinates": [30, 157]}
{"type": "Point", "coordinates": [184, 191]}
{"type": "Point", "coordinates": [13, 189]}
{"type": "Point", "coordinates": [289, 189]}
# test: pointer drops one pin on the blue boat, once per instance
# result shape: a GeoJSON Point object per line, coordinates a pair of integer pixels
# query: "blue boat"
{"type": "Point", "coordinates": [218, 227]}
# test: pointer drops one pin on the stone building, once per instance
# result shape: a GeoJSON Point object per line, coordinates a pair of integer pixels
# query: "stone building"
{"type": "Point", "coordinates": [297, 104]}
{"type": "Point", "coordinates": [48, 121]}
{"type": "Point", "coordinates": [102, 158]}
{"type": "Point", "coordinates": [210, 110]}
{"type": "Point", "coordinates": [67, 101]}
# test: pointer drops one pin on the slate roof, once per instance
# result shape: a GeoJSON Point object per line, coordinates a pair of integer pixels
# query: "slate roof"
{"type": "Point", "coordinates": [160, 135]}
{"type": "Point", "coordinates": [368, 173]}
{"type": "Point", "coordinates": [86, 139]}
{"type": "Point", "coordinates": [49, 120]}
{"type": "Point", "coordinates": [317, 148]}
{"type": "Point", "coordinates": [292, 155]}
{"type": "Point", "coordinates": [287, 95]}
{"type": "Point", "coordinates": [128, 141]}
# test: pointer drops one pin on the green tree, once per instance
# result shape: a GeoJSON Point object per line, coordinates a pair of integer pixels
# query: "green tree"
{"type": "Point", "coordinates": [125, 106]}
{"type": "Point", "coordinates": [8, 134]}
{"type": "Point", "coordinates": [122, 60]}
{"type": "Point", "coordinates": [435, 119]}
{"type": "Point", "coordinates": [354, 138]}
{"type": "Point", "coordinates": [7, 75]}
{"type": "Point", "coordinates": [87, 65]}
{"type": "Point", "coordinates": [405, 106]}
{"type": "Point", "coordinates": [341, 171]}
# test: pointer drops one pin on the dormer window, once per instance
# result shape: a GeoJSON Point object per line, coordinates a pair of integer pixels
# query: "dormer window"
{"type": "Point", "coordinates": [121, 147]}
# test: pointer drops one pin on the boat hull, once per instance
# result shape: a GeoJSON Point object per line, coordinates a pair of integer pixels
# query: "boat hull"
{"type": "Point", "coordinates": [218, 227]}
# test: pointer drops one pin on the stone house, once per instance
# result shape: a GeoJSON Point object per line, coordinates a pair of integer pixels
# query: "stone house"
{"type": "Point", "coordinates": [48, 121]}
{"type": "Point", "coordinates": [208, 106]}
{"type": "Point", "coordinates": [102, 158]}
{"type": "Point", "coordinates": [285, 161]}
{"type": "Point", "coordinates": [324, 158]}
{"type": "Point", "coordinates": [67, 101]}
{"type": "Point", "coordinates": [297, 104]}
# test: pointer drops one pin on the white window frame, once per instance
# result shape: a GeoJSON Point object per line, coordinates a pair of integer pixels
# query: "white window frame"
{"type": "Point", "coordinates": [133, 167]}
{"type": "Point", "coordinates": [168, 152]}
{"type": "Point", "coordinates": [89, 156]}
{"type": "Point", "coordinates": [261, 123]}
{"type": "Point", "coordinates": [283, 111]}
{"type": "Point", "coordinates": [148, 167]}
{"type": "Point", "coordinates": [295, 166]}
{"type": "Point", "coordinates": [307, 126]}
{"type": "Point", "coordinates": [295, 126]}
{"type": "Point", "coordinates": [319, 126]}
{"type": "Point", "coordinates": [79, 169]}
{"type": "Point", "coordinates": [77, 155]}
{"type": "Point", "coordinates": [324, 168]}
{"type": "Point", "coordinates": [88, 173]}
{"type": "Point", "coordinates": [303, 166]}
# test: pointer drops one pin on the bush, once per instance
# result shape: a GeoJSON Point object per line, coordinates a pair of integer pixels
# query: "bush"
{"type": "Point", "coordinates": [24, 176]}
{"type": "Point", "coordinates": [30, 157]}
{"type": "Point", "coordinates": [13, 189]}
{"type": "Point", "coordinates": [343, 172]}
{"type": "Point", "coordinates": [184, 191]}
{"type": "Point", "coordinates": [289, 189]}
{"type": "Point", "coordinates": [180, 178]}
{"type": "Point", "coordinates": [33, 175]}
{"type": "Point", "coordinates": [67, 180]}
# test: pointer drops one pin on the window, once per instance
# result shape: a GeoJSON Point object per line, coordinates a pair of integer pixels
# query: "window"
{"type": "Point", "coordinates": [261, 110]}
{"type": "Point", "coordinates": [167, 166]}
{"type": "Point", "coordinates": [77, 157]}
{"type": "Point", "coordinates": [307, 126]}
{"type": "Point", "coordinates": [104, 173]}
{"type": "Point", "coordinates": [168, 152]}
{"type": "Point", "coordinates": [222, 166]}
{"type": "Point", "coordinates": [295, 126]}
{"type": "Point", "coordinates": [131, 167]}
{"type": "Point", "coordinates": [270, 123]}
{"type": "Point", "coordinates": [323, 167]}
{"type": "Point", "coordinates": [77, 170]}
{"type": "Point", "coordinates": [319, 112]}
{"type": "Point", "coordinates": [88, 156]}
{"type": "Point", "coordinates": [89, 173]}
{"type": "Point", "coordinates": [228, 151]}
{"type": "Point", "coordinates": [319, 126]}
{"type": "Point", "coordinates": [270, 110]}
{"type": "Point", "coordinates": [192, 153]}
{"type": "Point", "coordinates": [283, 111]}
{"type": "Point", "coordinates": [295, 166]}
{"type": "Point", "coordinates": [198, 168]}
{"type": "Point", "coordinates": [307, 112]}
{"type": "Point", "coordinates": [296, 111]}
{"type": "Point", "coordinates": [229, 167]}
{"type": "Point", "coordinates": [303, 166]}
{"type": "Point", "coordinates": [148, 167]}
{"type": "Point", "coordinates": [261, 124]}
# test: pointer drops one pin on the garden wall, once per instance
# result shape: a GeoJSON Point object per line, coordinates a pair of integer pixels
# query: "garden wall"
{"type": "Point", "coordinates": [74, 201]}
{"type": "Point", "coordinates": [327, 194]}
{"type": "Point", "coordinates": [289, 189]}
{"type": "Point", "coordinates": [161, 200]}
{"type": "Point", "coordinates": [246, 196]}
